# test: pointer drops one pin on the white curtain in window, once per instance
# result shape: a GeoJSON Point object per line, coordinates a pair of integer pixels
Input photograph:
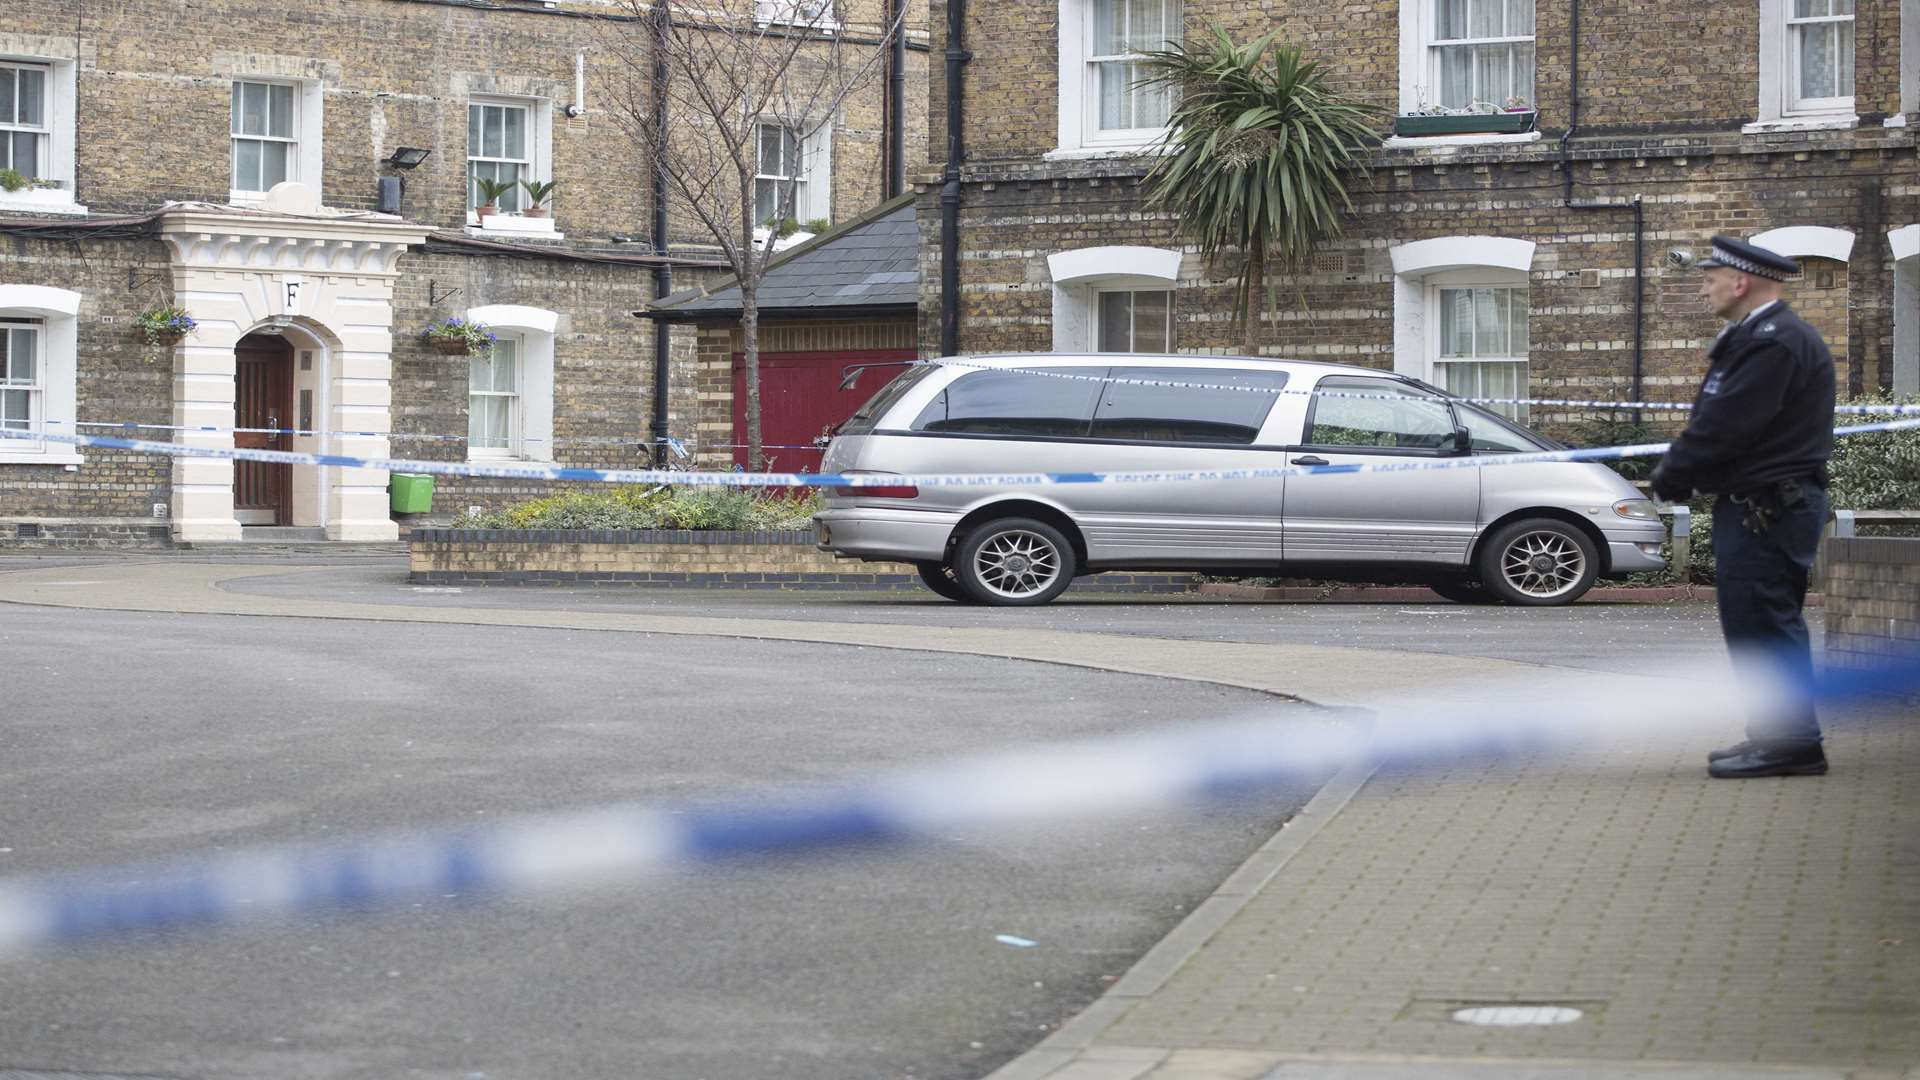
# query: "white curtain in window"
{"type": "Point", "coordinates": [1127, 28]}
{"type": "Point", "coordinates": [1483, 52]}
{"type": "Point", "coordinates": [1822, 46]}
{"type": "Point", "coordinates": [20, 374]}
{"type": "Point", "coordinates": [1483, 344]}
{"type": "Point", "coordinates": [493, 390]}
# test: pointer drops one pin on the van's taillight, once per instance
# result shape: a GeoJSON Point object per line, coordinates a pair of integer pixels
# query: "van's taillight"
{"type": "Point", "coordinates": [896, 491]}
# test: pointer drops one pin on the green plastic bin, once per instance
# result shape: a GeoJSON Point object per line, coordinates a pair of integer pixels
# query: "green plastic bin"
{"type": "Point", "coordinates": [412, 493]}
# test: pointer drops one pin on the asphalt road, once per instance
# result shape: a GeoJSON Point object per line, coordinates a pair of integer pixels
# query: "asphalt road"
{"type": "Point", "coordinates": [129, 737]}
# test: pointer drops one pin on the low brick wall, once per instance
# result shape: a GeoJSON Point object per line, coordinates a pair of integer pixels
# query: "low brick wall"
{"type": "Point", "coordinates": [1873, 599]}
{"type": "Point", "coordinates": [82, 533]}
{"type": "Point", "coordinates": [772, 559]}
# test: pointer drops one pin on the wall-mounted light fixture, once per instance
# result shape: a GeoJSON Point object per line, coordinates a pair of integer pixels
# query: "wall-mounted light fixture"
{"type": "Point", "coordinates": [394, 188]}
{"type": "Point", "coordinates": [408, 157]}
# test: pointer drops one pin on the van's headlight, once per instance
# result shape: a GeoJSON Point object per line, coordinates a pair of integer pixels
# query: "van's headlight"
{"type": "Point", "coordinates": [1637, 509]}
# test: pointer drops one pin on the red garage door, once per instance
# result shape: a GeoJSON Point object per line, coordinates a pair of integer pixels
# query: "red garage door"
{"type": "Point", "coordinates": [800, 397]}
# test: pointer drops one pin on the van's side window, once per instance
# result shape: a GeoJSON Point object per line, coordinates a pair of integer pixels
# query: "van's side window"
{"type": "Point", "coordinates": [1016, 403]}
{"type": "Point", "coordinates": [1383, 414]}
{"type": "Point", "coordinates": [1185, 413]}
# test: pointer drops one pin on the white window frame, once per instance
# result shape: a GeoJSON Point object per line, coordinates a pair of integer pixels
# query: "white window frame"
{"type": "Point", "coordinates": [1909, 65]}
{"type": "Point", "coordinates": [1101, 292]}
{"type": "Point", "coordinates": [1795, 105]}
{"type": "Point", "coordinates": [1433, 44]}
{"type": "Point", "coordinates": [1080, 275]}
{"type": "Point", "coordinates": [1778, 109]}
{"type": "Point", "coordinates": [797, 176]}
{"type": "Point", "coordinates": [57, 145]}
{"type": "Point", "coordinates": [516, 409]}
{"type": "Point", "coordinates": [56, 370]}
{"type": "Point", "coordinates": [237, 91]}
{"type": "Point", "coordinates": [42, 131]}
{"type": "Point", "coordinates": [811, 14]}
{"type": "Point", "coordinates": [1420, 67]}
{"type": "Point", "coordinates": [815, 198]}
{"type": "Point", "coordinates": [539, 166]}
{"type": "Point", "coordinates": [1435, 287]}
{"type": "Point", "coordinates": [1079, 127]}
{"type": "Point", "coordinates": [303, 160]}
{"type": "Point", "coordinates": [535, 330]}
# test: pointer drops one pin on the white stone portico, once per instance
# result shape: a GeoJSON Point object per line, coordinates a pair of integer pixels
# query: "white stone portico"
{"type": "Point", "coordinates": [323, 280]}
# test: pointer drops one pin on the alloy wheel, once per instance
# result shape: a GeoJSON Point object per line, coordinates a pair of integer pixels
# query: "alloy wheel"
{"type": "Point", "coordinates": [1543, 564]}
{"type": "Point", "coordinates": [1016, 564]}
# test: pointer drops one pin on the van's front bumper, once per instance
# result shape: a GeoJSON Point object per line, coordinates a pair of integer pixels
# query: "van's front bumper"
{"type": "Point", "coordinates": [1635, 550]}
{"type": "Point", "coordinates": [866, 532]}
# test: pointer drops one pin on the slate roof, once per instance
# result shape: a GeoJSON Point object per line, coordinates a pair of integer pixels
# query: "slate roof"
{"type": "Point", "coordinates": [871, 262]}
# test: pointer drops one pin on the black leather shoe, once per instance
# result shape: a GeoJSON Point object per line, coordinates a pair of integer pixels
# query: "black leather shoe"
{"type": "Point", "coordinates": [1770, 761]}
{"type": "Point", "coordinates": [1741, 747]}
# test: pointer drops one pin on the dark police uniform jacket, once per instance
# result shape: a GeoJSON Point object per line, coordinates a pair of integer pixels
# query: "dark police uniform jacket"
{"type": "Point", "coordinates": [1764, 412]}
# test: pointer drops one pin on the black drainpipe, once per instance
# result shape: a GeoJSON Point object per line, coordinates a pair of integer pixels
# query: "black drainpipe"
{"type": "Point", "coordinates": [896, 100]}
{"type": "Point", "coordinates": [957, 56]}
{"type": "Point", "coordinates": [663, 273]}
{"type": "Point", "coordinates": [1639, 211]}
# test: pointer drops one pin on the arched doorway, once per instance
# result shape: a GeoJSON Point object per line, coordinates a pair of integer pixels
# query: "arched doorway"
{"type": "Point", "coordinates": [263, 399]}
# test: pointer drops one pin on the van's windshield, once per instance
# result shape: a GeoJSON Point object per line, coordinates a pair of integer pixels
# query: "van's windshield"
{"type": "Point", "coordinates": [864, 418]}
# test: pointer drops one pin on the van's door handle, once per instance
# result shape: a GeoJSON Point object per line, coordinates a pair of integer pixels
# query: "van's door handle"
{"type": "Point", "coordinates": [1310, 460]}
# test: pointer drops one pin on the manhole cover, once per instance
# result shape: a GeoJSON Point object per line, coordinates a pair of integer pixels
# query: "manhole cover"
{"type": "Point", "coordinates": [1517, 1015]}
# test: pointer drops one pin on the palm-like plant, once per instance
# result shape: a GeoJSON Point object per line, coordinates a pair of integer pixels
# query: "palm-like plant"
{"type": "Point", "coordinates": [1257, 155]}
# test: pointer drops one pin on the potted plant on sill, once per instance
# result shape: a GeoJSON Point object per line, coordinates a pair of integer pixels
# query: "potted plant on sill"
{"type": "Point", "coordinates": [455, 336]}
{"type": "Point", "coordinates": [1515, 116]}
{"type": "Point", "coordinates": [164, 326]}
{"type": "Point", "coordinates": [538, 191]}
{"type": "Point", "coordinates": [12, 180]}
{"type": "Point", "coordinates": [490, 192]}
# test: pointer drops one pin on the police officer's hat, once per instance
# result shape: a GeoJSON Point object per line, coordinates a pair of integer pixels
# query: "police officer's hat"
{"type": "Point", "coordinates": [1748, 259]}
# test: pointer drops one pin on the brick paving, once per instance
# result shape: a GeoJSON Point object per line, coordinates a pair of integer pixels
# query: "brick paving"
{"type": "Point", "coordinates": [1757, 923]}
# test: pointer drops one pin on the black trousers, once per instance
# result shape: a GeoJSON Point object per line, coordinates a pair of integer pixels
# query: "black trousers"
{"type": "Point", "coordinates": [1761, 582]}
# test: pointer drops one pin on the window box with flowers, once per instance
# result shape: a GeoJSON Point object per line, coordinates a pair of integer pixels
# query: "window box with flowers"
{"type": "Point", "coordinates": [454, 336]}
{"type": "Point", "coordinates": [1481, 118]}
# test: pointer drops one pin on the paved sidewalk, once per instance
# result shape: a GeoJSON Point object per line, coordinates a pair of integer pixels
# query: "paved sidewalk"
{"type": "Point", "coordinates": [1703, 929]}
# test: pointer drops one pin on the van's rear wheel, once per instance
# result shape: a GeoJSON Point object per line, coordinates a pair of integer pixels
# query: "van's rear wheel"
{"type": "Point", "coordinates": [1014, 561]}
{"type": "Point", "coordinates": [938, 576]}
{"type": "Point", "coordinates": [1539, 562]}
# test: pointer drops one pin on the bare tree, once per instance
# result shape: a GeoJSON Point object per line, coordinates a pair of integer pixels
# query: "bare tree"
{"type": "Point", "coordinates": [725, 97]}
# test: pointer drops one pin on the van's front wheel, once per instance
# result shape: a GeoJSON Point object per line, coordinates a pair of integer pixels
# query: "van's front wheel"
{"type": "Point", "coordinates": [1539, 562]}
{"type": "Point", "coordinates": [1014, 562]}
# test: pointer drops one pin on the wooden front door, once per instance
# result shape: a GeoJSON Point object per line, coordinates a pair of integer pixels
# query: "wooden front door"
{"type": "Point", "coordinates": [263, 398]}
{"type": "Point", "coordinates": [800, 399]}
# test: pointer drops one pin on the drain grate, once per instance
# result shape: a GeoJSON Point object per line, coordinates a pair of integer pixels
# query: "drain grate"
{"type": "Point", "coordinates": [1517, 1015]}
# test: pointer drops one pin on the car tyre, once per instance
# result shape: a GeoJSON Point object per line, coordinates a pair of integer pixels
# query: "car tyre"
{"type": "Point", "coordinates": [1538, 562]}
{"type": "Point", "coordinates": [1014, 562]}
{"type": "Point", "coordinates": [1463, 590]}
{"type": "Point", "coordinates": [938, 576]}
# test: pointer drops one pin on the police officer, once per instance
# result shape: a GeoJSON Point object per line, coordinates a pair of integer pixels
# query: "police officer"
{"type": "Point", "coordinates": [1759, 437]}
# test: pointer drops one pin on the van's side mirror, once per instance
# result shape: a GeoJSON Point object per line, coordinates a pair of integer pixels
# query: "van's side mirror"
{"type": "Point", "coordinates": [1462, 440]}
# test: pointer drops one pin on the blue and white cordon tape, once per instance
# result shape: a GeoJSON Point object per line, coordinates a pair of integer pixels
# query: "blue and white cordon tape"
{"type": "Point", "coordinates": [612, 844]}
{"type": "Point", "coordinates": [532, 471]}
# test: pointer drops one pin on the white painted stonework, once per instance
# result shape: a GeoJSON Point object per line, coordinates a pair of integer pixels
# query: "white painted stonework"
{"type": "Point", "coordinates": [1806, 241]}
{"type": "Point", "coordinates": [323, 280]}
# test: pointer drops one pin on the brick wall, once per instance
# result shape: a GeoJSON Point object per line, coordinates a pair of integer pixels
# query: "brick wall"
{"type": "Point", "coordinates": [1872, 587]}
{"type": "Point", "coordinates": [155, 78]}
{"type": "Point", "coordinates": [1666, 132]}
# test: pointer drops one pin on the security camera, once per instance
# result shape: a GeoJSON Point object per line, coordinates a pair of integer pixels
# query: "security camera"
{"type": "Point", "coordinates": [1679, 258]}
{"type": "Point", "coordinates": [574, 111]}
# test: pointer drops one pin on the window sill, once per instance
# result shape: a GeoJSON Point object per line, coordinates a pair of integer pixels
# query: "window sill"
{"type": "Point", "coordinates": [1096, 152]}
{"type": "Point", "coordinates": [53, 456]}
{"type": "Point", "coordinates": [41, 201]}
{"type": "Point", "coordinates": [792, 239]}
{"type": "Point", "coordinates": [513, 225]}
{"type": "Point", "coordinates": [1425, 142]}
{"type": "Point", "coordinates": [1897, 120]}
{"type": "Point", "coordinates": [1819, 122]}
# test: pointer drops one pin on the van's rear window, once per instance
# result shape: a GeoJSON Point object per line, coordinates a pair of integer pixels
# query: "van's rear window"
{"type": "Point", "coordinates": [1034, 402]}
{"type": "Point", "coordinates": [864, 418]}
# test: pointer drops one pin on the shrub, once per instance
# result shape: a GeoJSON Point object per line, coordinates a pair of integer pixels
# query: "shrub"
{"type": "Point", "coordinates": [652, 507]}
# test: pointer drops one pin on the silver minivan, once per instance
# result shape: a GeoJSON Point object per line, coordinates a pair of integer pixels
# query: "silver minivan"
{"type": "Point", "coordinates": [1536, 534]}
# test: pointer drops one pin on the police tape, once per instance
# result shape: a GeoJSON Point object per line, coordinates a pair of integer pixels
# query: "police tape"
{"type": "Point", "coordinates": [1179, 384]}
{"type": "Point", "coordinates": [869, 479]}
{"type": "Point", "coordinates": [542, 854]}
